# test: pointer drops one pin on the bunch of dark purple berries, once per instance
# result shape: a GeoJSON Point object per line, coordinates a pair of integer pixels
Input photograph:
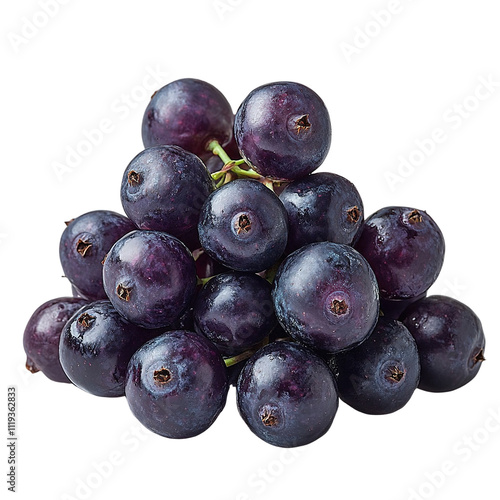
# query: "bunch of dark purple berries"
{"type": "Point", "coordinates": [236, 264]}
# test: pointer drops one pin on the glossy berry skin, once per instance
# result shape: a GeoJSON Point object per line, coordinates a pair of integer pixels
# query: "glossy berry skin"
{"type": "Point", "coordinates": [283, 130]}
{"type": "Point", "coordinates": [42, 334]}
{"type": "Point", "coordinates": [394, 309]}
{"type": "Point", "coordinates": [95, 347]}
{"type": "Point", "coordinates": [244, 226]}
{"type": "Point", "coordinates": [286, 395]}
{"type": "Point", "coordinates": [150, 278]}
{"type": "Point", "coordinates": [188, 113]}
{"type": "Point", "coordinates": [163, 189]}
{"type": "Point", "coordinates": [235, 311]}
{"type": "Point", "coordinates": [177, 384]}
{"type": "Point", "coordinates": [405, 249]}
{"type": "Point", "coordinates": [322, 207]}
{"type": "Point", "coordinates": [380, 375]}
{"type": "Point", "coordinates": [326, 296]}
{"type": "Point", "coordinates": [277, 334]}
{"type": "Point", "coordinates": [84, 244]}
{"type": "Point", "coordinates": [450, 341]}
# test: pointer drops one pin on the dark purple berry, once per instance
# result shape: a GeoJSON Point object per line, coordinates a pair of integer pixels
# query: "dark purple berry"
{"type": "Point", "coordinates": [42, 334]}
{"type": "Point", "coordinates": [177, 384]}
{"type": "Point", "coordinates": [188, 113]}
{"type": "Point", "coordinates": [283, 130]}
{"type": "Point", "coordinates": [150, 278]}
{"type": "Point", "coordinates": [322, 207]}
{"type": "Point", "coordinates": [244, 226]}
{"type": "Point", "coordinates": [393, 309]}
{"type": "Point", "coordinates": [405, 249]}
{"type": "Point", "coordinates": [326, 296]}
{"type": "Point", "coordinates": [84, 245]}
{"type": "Point", "coordinates": [286, 394]}
{"type": "Point", "coordinates": [450, 341]}
{"type": "Point", "coordinates": [235, 311]}
{"type": "Point", "coordinates": [163, 189]}
{"type": "Point", "coordinates": [380, 375]}
{"type": "Point", "coordinates": [95, 348]}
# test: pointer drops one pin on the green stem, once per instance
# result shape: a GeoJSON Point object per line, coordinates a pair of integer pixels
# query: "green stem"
{"type": "Point", "coordinates": [241, 172]}
{"type": "Point", "coordinates": [218, 150]}
{"type": "Point", "coordinates": [236, 359]}
{"type": "Point", "coordinates": [270, 273]}
{"type": "Point", "coordinates": [233, 166]}
{"type": "Point", "coordinates": [245, 354]}
{"type": "Point", "coordinates": [217, 176]}
{"type": "Point", "coordinates": [269, 184]}
{"type": "Point", "coordinates": [220, 182]}
{"type": "Point", "coordinates": [202, 281]}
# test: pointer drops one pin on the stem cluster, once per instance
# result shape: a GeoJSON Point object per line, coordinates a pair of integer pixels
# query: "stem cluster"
{"type": "Point", "coordinates": [232, 169]}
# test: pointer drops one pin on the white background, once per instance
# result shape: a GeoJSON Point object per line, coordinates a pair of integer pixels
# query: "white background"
{"type": "Point", "coordinates": [94, 64]}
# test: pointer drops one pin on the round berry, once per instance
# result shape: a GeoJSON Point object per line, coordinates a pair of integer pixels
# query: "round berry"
{"type": "Point", "coordinates": [322, 207]}
{"type": "Point", "coordinates": [380, 375]}
{"type": "Point", "coordinates": [42, 334]}
{"type": "Point", "coordinates": [286, 395]}
{"type": "Point", "coordinates": [95, 347]}
{"type": "Point", "coordinates": [326, 296]}
{"type": "Point", "coordinates": [177, 384]}
{"type": "Point", "coordinates": [189, 113]}
{"type": "Point", "coordinates": [450, 341]}
{"type": "Point", "coordinates": [150, 278]}
{"type": "Point", "coordinates": [235, 311]}
{"type": "Point", "coordinates": [84, 245]}
{"type": "Point", "coordinates": [405, 249]}
{"type": "Point", "coordinates": [244, 226]}
{"type": "Point", "coordinates": [283, 130]}
{"type": "Point", "coordinates": [163, 189]}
